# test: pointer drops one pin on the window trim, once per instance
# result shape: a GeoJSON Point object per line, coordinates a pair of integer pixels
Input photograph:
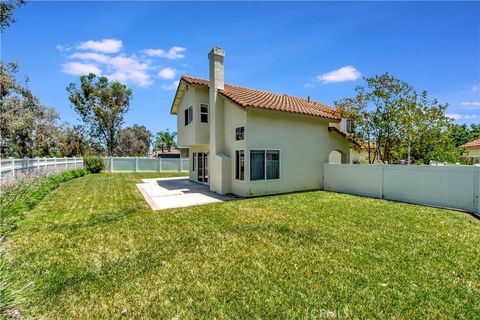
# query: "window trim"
{"type": "Point", "coordinates": [194, 160]}
{"type": "Point", "coordinates": [235, 133]}
{"type": "Point", "coordinates": [186, 111]}
{"type": "Point", "coordinates": [205, 113]}
{"type": "Point", "coordinates": [235, 166]}
{"type": "Point", "coordinates": [265, 164]}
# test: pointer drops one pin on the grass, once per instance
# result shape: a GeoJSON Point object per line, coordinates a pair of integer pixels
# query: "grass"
{"type": "Point", "coordinates": [93, 249]}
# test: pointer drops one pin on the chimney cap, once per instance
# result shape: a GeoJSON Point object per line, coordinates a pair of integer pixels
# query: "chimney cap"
{"type": "Point", "coordinates": [217, 52]}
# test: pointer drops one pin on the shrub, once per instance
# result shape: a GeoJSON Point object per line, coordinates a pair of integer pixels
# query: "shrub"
{"type": "Point", "coordinates": [93, 164]}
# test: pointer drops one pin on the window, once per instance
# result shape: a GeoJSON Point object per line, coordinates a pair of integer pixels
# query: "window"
{"type": "Point", "coordinates": [239, 133]}
{"type": "Point", "coordinates": [264, 165]}
{"type": "Point", "coordinates": [204, 113]}
{"type": "Point", "coordinates": [240, 165]}
{"type": "Point", "coordinates": [188, 115]}
{"type": "Point", "coordinates": [273, 164]}
{"type": "Point", "coordinates": [194, 161]}
{"type": "Point", "coordinates": [349, 126]}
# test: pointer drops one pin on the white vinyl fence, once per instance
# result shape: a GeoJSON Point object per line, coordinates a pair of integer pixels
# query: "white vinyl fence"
{"type": "Point", "coordinates": [11, 169]}
{"type": "Point", "coordinates": [137, 164]}
{"type": "Point", "coordinates": [455, 187]}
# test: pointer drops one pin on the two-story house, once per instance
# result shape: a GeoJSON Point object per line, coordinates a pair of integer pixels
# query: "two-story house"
{"type": "Point", "coordinates": [251, 142]}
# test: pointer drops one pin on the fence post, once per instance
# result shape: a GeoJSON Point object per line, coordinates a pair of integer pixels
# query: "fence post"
{"type": "Point", "coordinates": [159, 164]}
{"type": "Point", "coordinates": [55, 161]}
{"type": "Point", "coordinates": [476, 192]}
{"type": "Point", "coordinates": [380, 191]}
{"type": "Point", "coordinates": [181, 164]}
{"type": "Point", "coordinates": [111, 164]}
{"type": "Point", "coordinates": [136, 164]}
{"type": "Point", "coordinates": [13, 168]}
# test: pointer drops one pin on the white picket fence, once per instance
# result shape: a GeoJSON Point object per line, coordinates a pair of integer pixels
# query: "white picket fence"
{"type": "Point", "coordinates": [11, 168]}
{"type": "Point", "coordinates": [138, 164]}
{"type": "Point", "coordinates": [456, 187]}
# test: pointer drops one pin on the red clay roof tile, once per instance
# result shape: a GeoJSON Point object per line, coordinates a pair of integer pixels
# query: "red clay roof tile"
{"type": "Point", "coordinates": [472, 144]}
{"type": "Point", "coordinates": [252, 98]}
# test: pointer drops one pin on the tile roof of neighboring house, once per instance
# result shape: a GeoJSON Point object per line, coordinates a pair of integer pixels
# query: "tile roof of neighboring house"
{"type": "Point", "coordinates": [252, 98]}
{"type": "Point", "coordinates": [472, 144]}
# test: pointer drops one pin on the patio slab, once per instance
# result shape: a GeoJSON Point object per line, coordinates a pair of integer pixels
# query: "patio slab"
{"type": "Point", "coordinates": [167, 193]}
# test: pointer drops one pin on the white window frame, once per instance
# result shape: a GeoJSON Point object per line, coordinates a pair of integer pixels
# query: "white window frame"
{"type": "Point", "coordinates": [204, 113]}
{"type": "Point", "coordinates": [265, 164]}
{"type": "Point", "coordinates": [194, 160]}
{"type": "Point", "coordinates": [188, 116]}
{"type": "Point", "coordinates": [244, 166]}
{"type": "Point", "coordinates": [235, 133]}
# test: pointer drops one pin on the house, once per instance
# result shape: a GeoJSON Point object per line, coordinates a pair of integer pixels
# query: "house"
{"type": "Point", "coordinates": [165, 153]}
{"type": "Point", "coordinates": [250, 142]}
{"type": "Point", "coordinates": [473, 150]}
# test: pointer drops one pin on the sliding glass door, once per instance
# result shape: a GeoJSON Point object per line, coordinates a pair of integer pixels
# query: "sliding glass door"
{"type": "Point", "coordinates": [202, 166]}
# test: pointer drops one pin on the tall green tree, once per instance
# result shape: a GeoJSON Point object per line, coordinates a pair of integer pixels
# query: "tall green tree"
{"type": "Point", "coordinates": [165, 139]}
{"type": "Point", "coordinates": [102, 105]}
{"type": "Point", "coordinates": [396, 122]}
{"type": "Point", "coordinates": [27, 128]}
{"type": "Point", "coordinates": [7, 7]}
{"type": "Point", "coordinates": [134, 141]}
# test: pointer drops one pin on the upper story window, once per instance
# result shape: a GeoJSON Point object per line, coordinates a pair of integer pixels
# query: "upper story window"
{"type": "Point", "coordinates": [188, 115]}
{"type": "Point", "coordinates": [204, 113]}
{"type": "Point", "coordinates": [239, 133]}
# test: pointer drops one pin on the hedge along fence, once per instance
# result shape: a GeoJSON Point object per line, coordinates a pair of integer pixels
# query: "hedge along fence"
{"type": "Point", "coordinates": [456, 187]}
{"type": "Point", "coordinates": [138, 164]}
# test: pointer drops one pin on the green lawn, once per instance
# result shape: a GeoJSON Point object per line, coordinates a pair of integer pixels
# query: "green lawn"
{"type": "Point", "coordinates": [95, 250]}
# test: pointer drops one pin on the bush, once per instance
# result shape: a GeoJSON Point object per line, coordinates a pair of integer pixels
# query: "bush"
{"type": "Point", "coordinates": [93, 164]}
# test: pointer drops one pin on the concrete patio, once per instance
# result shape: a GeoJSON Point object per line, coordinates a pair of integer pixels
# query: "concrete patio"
{"type": "Point", "coordinates": [167, 193]}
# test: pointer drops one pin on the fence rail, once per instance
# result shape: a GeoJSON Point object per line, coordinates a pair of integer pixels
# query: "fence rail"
{"type": "Point", "coordinates": [137, 164]}
{"type": "Point", "coordinates": [455, 187]}
{"type": "Point", "coordinates": [11, 168]}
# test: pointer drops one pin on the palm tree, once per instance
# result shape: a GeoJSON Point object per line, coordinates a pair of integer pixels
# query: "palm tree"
{"type": "Point", "coordinates": [165, 139]}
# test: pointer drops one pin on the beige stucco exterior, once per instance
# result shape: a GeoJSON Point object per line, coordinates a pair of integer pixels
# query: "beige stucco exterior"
{"type": "Point", "coordinates": [304, 142]}
{"type": "Point", "coordinates": [473, 152]}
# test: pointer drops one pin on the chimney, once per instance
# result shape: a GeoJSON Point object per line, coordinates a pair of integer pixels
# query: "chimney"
{"type": "Point", "coordinates": [216, 57]}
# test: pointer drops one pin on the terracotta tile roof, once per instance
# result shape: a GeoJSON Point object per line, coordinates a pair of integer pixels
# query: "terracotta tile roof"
{"type": "Point", "coordinates": [252, 98]}
{"type": "Point", "coordinates": [472, 144]}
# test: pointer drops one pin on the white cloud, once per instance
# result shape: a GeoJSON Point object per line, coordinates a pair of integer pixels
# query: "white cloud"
{"type": "Point", "coordinates": [470, 104]}
{"type": "Point", "coordinates": [79, 69]}
{"type": "Point", "coordinates": [167, 73]}
{"type": "Point", "coordinates": [63, 48]}
{"type": "Point", "coordinates": [476, 87]}
{"type": "Point", "coordinates": [347, 73]}
{"type": "Point", "coordinates": [105, 45]}
{"type": "Point", "coordinates": [171, 86]}
{"type": "Point", "coordinates": [119, 68]}
{"type": "Point", "coordinates": [457, 116]}
{"type": "Point", "coordinates": [173, 53]}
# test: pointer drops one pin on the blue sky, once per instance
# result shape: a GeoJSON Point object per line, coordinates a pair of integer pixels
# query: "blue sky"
{"type": "Point", "coordinates": [316, 49]}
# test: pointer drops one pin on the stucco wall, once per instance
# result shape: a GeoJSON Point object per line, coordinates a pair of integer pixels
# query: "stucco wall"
{"type": "Point", "coordinates": [473, 152]}
{"type": "Point", "coordinates": [304, 143]}
{"type": "Point", "coordinates": [196, 132]}
{"type": "Point", "coordinates": [234, 117]}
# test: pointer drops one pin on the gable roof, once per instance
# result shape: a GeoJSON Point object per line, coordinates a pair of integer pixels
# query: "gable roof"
{"type": "Point", "coordinates": [472, 144]}
{"type": "Point", "coordinates": [252, 98]}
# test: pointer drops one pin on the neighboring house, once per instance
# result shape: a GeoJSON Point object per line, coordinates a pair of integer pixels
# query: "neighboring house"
{"type": "Point", "coordinates": [250, 142]}
{"type": "Point", "coordinates": [473, 150]}
{"type": "Point", "coordinates": [173, 153]}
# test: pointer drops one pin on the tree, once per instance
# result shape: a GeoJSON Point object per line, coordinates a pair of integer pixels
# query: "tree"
{"type": "Point", "coordinates": [6, 12]}
{"type": "Point", "coordinates": [165, 139]}
{"type": "Point", "coordinates": [74, 142]}
{"type": "Point", "coordinates": [396, 122]}
{"type": "Point", "coordinates": [134, 141]}
{"type": "Point", "coordinates": [27, 128]}
{"type": "Point", "coordinates": [101, 105]}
